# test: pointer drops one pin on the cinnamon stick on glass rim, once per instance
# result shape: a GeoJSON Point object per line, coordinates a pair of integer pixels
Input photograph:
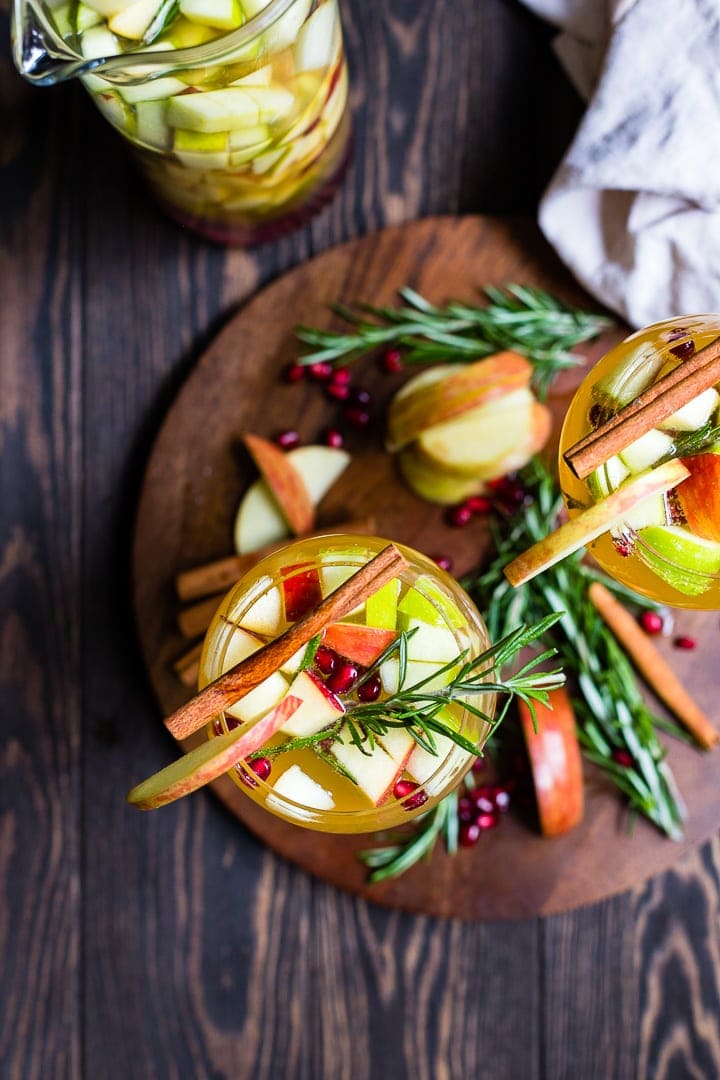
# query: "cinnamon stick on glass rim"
{"type": "Point", "coordinates": [217, 576]}
{"type": "Point", "coordinates": [249, 673]}
{"type": "Point", "coordinates": [690, 378]}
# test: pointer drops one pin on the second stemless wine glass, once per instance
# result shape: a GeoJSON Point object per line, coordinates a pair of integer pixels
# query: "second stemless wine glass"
{"type": "Point", "coordinates": [668, 548]}
{"type": "Point", "coordinates": [304, 775]}
{"type": "Point", "coordinates": [236, 109]}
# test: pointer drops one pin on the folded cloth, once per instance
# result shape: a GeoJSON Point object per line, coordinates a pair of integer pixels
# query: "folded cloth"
{"type": "Point", "coordinates": [634, 208]}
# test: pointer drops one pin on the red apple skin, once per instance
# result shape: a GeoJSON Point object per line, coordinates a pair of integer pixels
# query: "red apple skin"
{"type": "Point", "coordinates": [302, 591]}
{"type": "Point", "coordinates": [555, 762]}
{"type": "Point", "coordinates": [285, 483]}
{"type": "Point", "coordinates": [699, 495]}
{"type": "Point", "coordinates": [362, 644]}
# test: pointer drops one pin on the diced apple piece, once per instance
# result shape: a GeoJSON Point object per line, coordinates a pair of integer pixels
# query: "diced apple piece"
{"type": "Point", "coordinates": [363, 644]}
{"type": "Point", "coordinates": [555, 762]}
{"type": "Point", "coordinates": [152, 125]}
{"type": "Point", "coordinates": [695, 414]}
{"type": "Point", "coordinates": [115, 110]}
{"type": "Point", "coordinates": [415, 605]}
{"type": "Point", "coordinates": [381, 606]}
{"type": "Point", "coordinates": [629, 378]}
{"type": "Point", "coordinates": [430, 644]}
{"type": "Point", "coordinates": [296, 785]}
{"type": "Point", "coordinates": [284, 481]}
{"type": "Point", "coordinates": [85, 17]}
{"type": "Point", "coordinates": [422, 765]}
{"type": "Point", "coordinates": [98, 43]}
{"type": "Point", "coordinates": [153, 90]}
{"type": "Point", "coordinates": [607, 477]}
{"type": "Point", "coordinates": [375, 773]}
{"type": "Point", "coordinates": [284, 30]}
{"type": "Point", "coordinates": [651, 511]}
{"type": "Point", "coordinates": [399, 744]}
{"type": "Point", "coordinates": [678, 556]}
{"type": "Point", "coordinates": [210, 760]}
{"type": "Point", "coordinates": [594, 521]}
{"type": "Point", "coordinates": [264, 616]}
{"type": "Point", "coordinates": [291, 666]}
{"type": "Point", "coordinates": [221, 14]}
{"type": "Point", "coordinates": [107, 8]}
{"type": "Point", "coordinates": [319, 39]}
{"type": "Point", "coordinates": [319, 706]}
{"type": "Point", "coordinates": [416, 671]}
{"type": "Point", "coordinates": [214, 110]}
{"type": "Point", "coordinates": [267, 163]}
{"type": "Point", "coordinates": [273, 102]}
{"type": "Point", "coordinates": [245, 138]}
{"type": "Point", "coordinates": [473, 442]}
{"type": "Point", "coordinates": [431, 402]}
{"type": "Point", "coordinates": [240, 645]}
{"type": "Point", "coordinates": [699, 495]}
{"type": "Point", "coordinates": [133, 21]}
{"type": "Point", "coordinates": [201, 151]}
{"type": "Point", "coordinates": [301, 591]}
{"type": "Point", "coordinates": [258, 521]}
{"type": "Point", "coordinates": [265, 696]}
{"type": "Point", "coordinates": [184, 34]}
{"type": "Point", "coordinates": [262, 76]}
{"type": "Point", "coordinates": [646, 450]}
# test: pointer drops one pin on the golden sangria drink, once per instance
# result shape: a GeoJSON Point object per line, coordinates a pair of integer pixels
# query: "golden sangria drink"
{"type": "Point", "coordinates": [236, 109]}
{"type": "Point", "coordinates": [344, 762]}
{"type": "Point", "coordinates": [668, 547]}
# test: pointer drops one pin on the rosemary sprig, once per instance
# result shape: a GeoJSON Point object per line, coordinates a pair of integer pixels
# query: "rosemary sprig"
{"type": "Point", "coordinates": [518, 317]}
{"type": "Point", "coordinates": [612, 715]}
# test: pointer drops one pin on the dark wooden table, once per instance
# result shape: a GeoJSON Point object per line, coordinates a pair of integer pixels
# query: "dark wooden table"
{"type": "Point", "coordinates": [174, 945]}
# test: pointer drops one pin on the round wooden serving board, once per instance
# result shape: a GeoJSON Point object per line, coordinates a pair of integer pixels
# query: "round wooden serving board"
{"type": "Point", "coordinates": [197, 474]}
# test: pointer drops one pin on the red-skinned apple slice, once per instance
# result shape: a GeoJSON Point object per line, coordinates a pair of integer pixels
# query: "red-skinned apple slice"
{"type": "Point", "coordinates": [593, 522]}
{"type": "Point", "coordinates": [699, 496]}
{"type": "Point", "coordinates": [434, 401]}
{"type": "Point", "coordinates": [302, 591]}
{"type": "Point", "coordinates": [363, 644]}
{"type": "Point", "coordinates": [210, 760]}
{"type": "Point", "coordinates": [555, 762]}
{"type": "Point", "coordinates": [284, 481]}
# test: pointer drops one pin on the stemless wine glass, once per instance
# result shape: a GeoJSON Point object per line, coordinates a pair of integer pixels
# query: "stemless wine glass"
{"type": "Point", "coordinates": [236, 110]}
{"type": "Point", "coordinates": [668, 548]}
{"type": "Point", "coordinates": [303, 774]}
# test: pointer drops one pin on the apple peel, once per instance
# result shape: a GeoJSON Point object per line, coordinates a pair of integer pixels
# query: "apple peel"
{"type": "Point", "coordinates": [555, 762]}
{"type": "Point", "coordinates": [210, 760]}
{"type": "Point", "coordinates": [285, 483]}
{"type": "Point", "coordinates": [591, 523]}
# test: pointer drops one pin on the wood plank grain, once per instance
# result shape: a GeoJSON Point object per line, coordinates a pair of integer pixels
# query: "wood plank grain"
{"type": "Point", "coordinates": [40, 555]}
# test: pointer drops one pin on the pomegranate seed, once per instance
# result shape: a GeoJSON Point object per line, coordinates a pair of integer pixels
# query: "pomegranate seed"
{"type": "Point", "coordinates": [622, 547]}
{"type": "Point", "coordinates": [502, 799]}
{"type": "Point", "coordinates": [478, 765]}
{"type": "Point", "coordinates": [320, 371]}
{"type": "Point", "coordinates": [370, 690]}
{"type": "Point", "coordinates": [478, 504]}
{"type": "Point", "coordinates": [392, 361]}
{"type": "Point", "coordinates": [466, 810]}
{"type": "Point", "coordinates": [418, 799]}
{"type": "Point", "coordinates": [685, 642]}
{"type": "Point", "coordinates": [443, 561]}
{"type": "Point", "coordinates": [483, 799]}
{"type": "Point", "coordinates": [334, 438]}
{"type": "Point", "coordinates": [651, 622]}
{"type": "Point", "coordinates": [246, 778]}
{"type": "Point", "coordinates": [497, 483]}
{"type": "Point", "coordinates": [403, 788]}
{"type": "Point", "coordinates": [338, 391]}
{"type": "Point", "coordinates": [487, 821]}
{"type": "Point", "coordinates": [356, 416]}
{"type": "Point", "coordinates": [325, 659]}
{"type": "Point", "coordinates": [287, 440]}
{"type": "Point", "coordinates": [294, 372]}
{"type": "Point", "coordinates": [623, 757]}
{"type": "Point", "coordinates": [342, 677]}
{"type": "Point", "coordinates": [341, 376]}
{"type": "Point", "coordinates": [232, 723]}
{"type": "Point", "coordinates": [459, 516]}
{"type": "Point", "coordinates": [684, 349]}
{"type": "Point", "coordinates": [469, 834]}
{"type": "Point", "coordinates": [261, 767]}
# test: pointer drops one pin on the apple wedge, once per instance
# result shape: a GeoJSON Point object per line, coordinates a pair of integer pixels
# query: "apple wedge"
{"type": "Point", "coordinates": [363, 644]}
{"type": "Point", "coordinates": [555, 763]}
{"type": "Point", "coordinates": [210, 760]}
{"type": "Point", "coordinates": [699, 496]}
{"type": "Point", "coordinates": [594, 521]}
{"type": "Point", "coordinates": [284, 481]}
{"type": "Point", "coordinates": [424, 403]}
{"type": "Point", "coordinates": [259, 521]}
{"type": "Point", "coordinates": [434, 484]}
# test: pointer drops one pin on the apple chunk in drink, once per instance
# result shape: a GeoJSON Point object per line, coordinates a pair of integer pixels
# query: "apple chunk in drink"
{"type": "Point", "coordinates": [315, 771]}
{"type": "Point", "coordinates": [667, 546]}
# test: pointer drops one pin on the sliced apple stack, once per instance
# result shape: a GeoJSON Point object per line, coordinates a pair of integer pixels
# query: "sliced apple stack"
{"type": "Point", "coordinates": [457, 426]}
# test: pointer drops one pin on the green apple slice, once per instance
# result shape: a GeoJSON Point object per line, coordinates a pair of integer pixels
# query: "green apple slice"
{"type": "Point", "coordinates": [594, 521]}
{"type": "Point", "coordinates": [415, 605]}
{"type": "Point", "coordinates": [210, 760]}
{"type": "Point", "coordinates": [318, 42]}
{"type": "Point", "coordinates": [695, 414]}
{"type": "Point", "coordinates": [186, 35]}
{"type": "Point", "coordinates": [134, 20]}
{"type": "Point", "coordinates": [152, 126]}
{"type": "Point", "coordinates": [607, 477]}
{"type": "Point", "coordinates": [679, 557]}
{"type": "Point", "coordinates": [262, 76]}
{"type": "Point", "coordinates": [647, 450]}
{"type": "Point", "coordinates": [214, 110]}
{"type": "Point", "coordinates": [200, 151]}
{"type": "Point", "coordinates": [153, 90]}
{"type": "Point", "coordinates": [221, 14]}
{"type": "Point", "coordinates": [381, 607]}
{"type": "Point", "coordinates": [629, 378]}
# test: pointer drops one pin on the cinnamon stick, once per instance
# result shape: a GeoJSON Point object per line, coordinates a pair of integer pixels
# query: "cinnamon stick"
{"type": "Point", "coordinates": [653, 667]}
{"type": "Point", "coordinates": [195, 619]}
{"type": "Point", "coordinates": [187, 666]}
{"type": "Point", "coordinates": [249, 673]}
{"type": "Point", "coordinates": [217, 576]}
{"type": "Point", "coordinates": [662, 399]}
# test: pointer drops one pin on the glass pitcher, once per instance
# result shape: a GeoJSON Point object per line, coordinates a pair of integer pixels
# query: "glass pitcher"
{"type": "Point", "coordinates": [236, 109]}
